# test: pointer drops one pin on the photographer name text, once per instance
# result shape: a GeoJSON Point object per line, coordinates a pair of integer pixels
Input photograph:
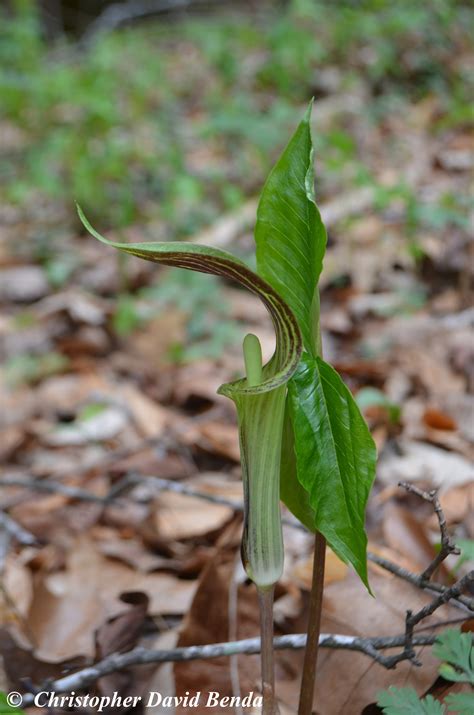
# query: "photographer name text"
{"type": "Point", "coordinates": [213, 699]}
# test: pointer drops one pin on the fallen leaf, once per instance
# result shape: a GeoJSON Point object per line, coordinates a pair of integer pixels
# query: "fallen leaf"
{"type": "Point", "coordinates": [438, 420]}
{"type": "Point", "coordinates": [69, 606]}
{"type": "Point", "coordinates": [335, 570]}
{"type": "Point", "coordinates": [414, 461]}
{"type": "Point", "coordinates": [149, 417]}
{"type": "Point", "coordinates": [120, 633]}
{"type": "Point", "coordinates": [179, 516]}
{"type": "Point", "coordinates": [23, 284]}
{"type": "Point", "coordinates": [101, 427]}
{"type": "Point", "coordinates": [133, 553]}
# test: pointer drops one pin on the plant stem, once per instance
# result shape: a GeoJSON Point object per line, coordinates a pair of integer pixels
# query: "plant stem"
{"type": "Point", "coordinates": [265, 599]}
{"type": "Point", "coordinates": [314, 626]}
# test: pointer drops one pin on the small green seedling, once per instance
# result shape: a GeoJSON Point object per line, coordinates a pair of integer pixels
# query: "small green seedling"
{"type": "Point", "coordinates": [302, 436]}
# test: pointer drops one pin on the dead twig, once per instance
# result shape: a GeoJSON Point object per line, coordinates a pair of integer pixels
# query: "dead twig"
{"type": "Point", "coordinates": [50, 487]}
{"type": "Point", "coordinates": [412, 619]}
{"type": "Point", "coordinates": [15, 530]}
{"type": "Point", "coordinates": [447, 545]}
{"type": "Point", "coordinates": [141, 656]}
{"type": "Point", "coordinates": [116, 15]}
{"type": "Point", "coordinates": [417, 580]}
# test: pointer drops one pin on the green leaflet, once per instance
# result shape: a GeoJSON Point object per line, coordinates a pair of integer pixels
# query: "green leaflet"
{"type": "Point", "coordinates": [457, 650]}
{"type": "Point", "coordinates": [405, 701]}
{"type": "Point", "coordinates": [260, 407]}
{"type": "Point", "coordinates": [289, 233]}
{"type": "Point", "coordinates": [460, 703]}
{"type": "Point", "coordinates": [328, 456]}
{"type": "Point", "coordinates": [335, 457]}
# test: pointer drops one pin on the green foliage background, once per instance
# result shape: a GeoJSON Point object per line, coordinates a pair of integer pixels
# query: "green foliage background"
{"type": "Point", "coordinates": [117, 125]}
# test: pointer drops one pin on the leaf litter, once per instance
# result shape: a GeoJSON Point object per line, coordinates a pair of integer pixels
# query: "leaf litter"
{"type": "Point", "coordinates": [118, 406]}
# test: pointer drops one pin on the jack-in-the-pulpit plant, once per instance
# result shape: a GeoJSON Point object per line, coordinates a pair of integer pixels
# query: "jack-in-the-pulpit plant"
{"type": "Point", "coordinates": [302, 437]}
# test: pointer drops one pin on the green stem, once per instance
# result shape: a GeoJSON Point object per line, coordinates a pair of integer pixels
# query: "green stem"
{"type": "Point", "coordinates": [314, 627]}
{"type": "Point", "coordinates": [265, 599]}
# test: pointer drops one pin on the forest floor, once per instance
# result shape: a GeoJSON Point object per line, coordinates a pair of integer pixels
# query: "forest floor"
{"type": "Point", "coordinates": [121, 488]}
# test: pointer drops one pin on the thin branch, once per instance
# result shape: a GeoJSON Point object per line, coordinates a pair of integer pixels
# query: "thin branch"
{"type": "Point", "coordinates": [50, 487]}
{"type": "Point", "coordinates": [417, 580]}
{"type": "Point", "coordinates": [18, 532]}
{"type": "Point", "coordinates": [169, 485]}
{"type": "Point", "coordinates": [141, 656]}
{"type": "Point", "coordinates": [116, 15]}
{"type": "Point", "coordinates": [447, 544]}
{"type": "Point", "coordinates": [412, 619]}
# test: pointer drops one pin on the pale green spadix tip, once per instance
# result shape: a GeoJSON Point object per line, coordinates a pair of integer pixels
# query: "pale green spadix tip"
{"type": "Point", "coordinates": [253, 359]}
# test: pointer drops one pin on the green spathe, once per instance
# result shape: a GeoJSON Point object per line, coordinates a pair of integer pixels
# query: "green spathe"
{"type": "Point", "coordinates": [260, 430]}
{"type": "Point", "coordinates": [259, 399]}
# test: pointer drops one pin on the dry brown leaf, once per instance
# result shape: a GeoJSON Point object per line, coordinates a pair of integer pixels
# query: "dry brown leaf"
{"type": "Point", "coordinates": [120, 633]}
{"type": "Point", "coordinates": [197, 384]}
{"type": "Point", "coordinates": [21, 664]}
{"type": "Point", "coordinates": [458, 506]}
{"type": "Point", "coordinates": [67, 392]}
{"type": "Point", "coordinates": [17, 589]}
{"type": "Point", "coordinates": [154, 342]}
{"type": "Point", "coordinates": [392, 555]}
{"type": "Point", "coordinates": [417, 461]}
{"type": "Point", "coordinates": [56, 518]}
{"type": "Point", "coordinates": [438, 420]}
{"type": "Point", "coordinates": [69, 606]}
{"type": "Point", "coordinates": [335, 570]}
{"type": "Point", "coordinates": [133, 553]}
{"type": "Point", "coordinates": [23, 284]}
{"type": "Point", "coordinates": [179, 516]}
{"type": "Point", "coordinates": [219, 438]}
{"type": "Point", "coordinates": [101, 427]}
{"type": "Point", "coordinates": [149, 417]}
{"type": "Point", "coordinates": [162, 679]}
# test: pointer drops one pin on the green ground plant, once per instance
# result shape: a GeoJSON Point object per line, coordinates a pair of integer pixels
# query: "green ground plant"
{"type": "Point", "coordinates": [456, 651]}
{"type": "Point", "coordinates": [115, 125]}
{"type": "Point", "coordinates": [302, 436]}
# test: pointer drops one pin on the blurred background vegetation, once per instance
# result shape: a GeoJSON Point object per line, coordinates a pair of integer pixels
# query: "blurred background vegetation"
{"type": "Point", "coordinates": [178, 118]}
{"type": "Point", "coordinates": [167, 122]}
